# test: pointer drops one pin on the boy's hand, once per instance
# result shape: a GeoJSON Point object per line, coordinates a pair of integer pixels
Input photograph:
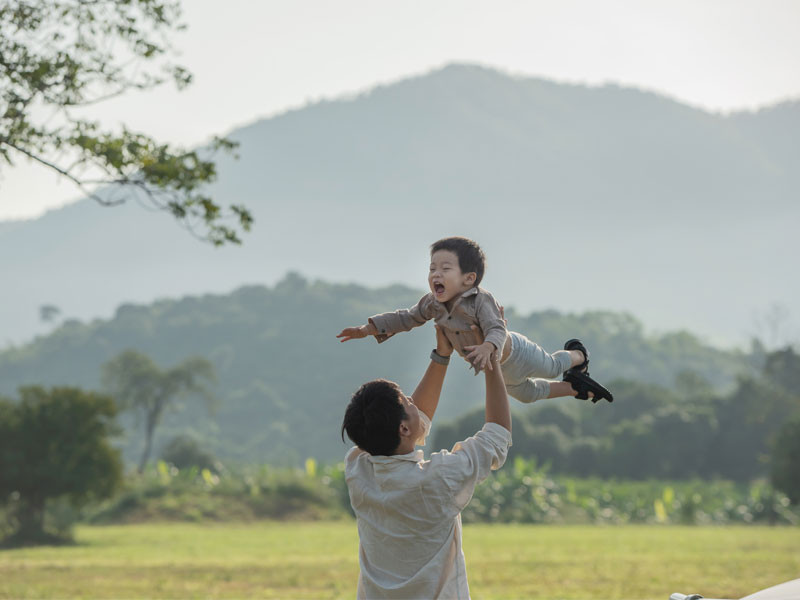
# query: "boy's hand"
{"type": "Point", "coordinates": [481, 356]}
{"type": "Point", "coordinates": [443, 345]}
{"type": "Point", "coordinates": [354, 333]}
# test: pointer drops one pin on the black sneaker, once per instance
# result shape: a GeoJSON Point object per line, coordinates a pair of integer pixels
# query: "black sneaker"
{"type": "Point", "coordinates": [576, 344]}
{"type": "Point", "coordinates": [584, 384]}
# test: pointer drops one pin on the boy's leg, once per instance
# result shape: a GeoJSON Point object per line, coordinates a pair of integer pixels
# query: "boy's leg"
{"type": "Point", "coordinates": [528, 362]}
{"type": "Point", "coordinates": [532, 390]}
{"type": "Point", "coordinates": [528, 359]}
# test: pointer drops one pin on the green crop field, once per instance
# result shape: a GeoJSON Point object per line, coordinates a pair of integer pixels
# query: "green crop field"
{"type": "Point", "coordinates": [319, 560]}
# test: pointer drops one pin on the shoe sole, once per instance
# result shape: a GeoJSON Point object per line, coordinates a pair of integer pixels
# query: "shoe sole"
{"type": "Point", "coordinates": [583, 384]}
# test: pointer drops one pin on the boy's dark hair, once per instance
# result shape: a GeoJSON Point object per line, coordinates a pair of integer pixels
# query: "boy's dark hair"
{"type": "Point", "coordinates": [372, 419]}
{"type": "Point", "coordinates": [471, 258]}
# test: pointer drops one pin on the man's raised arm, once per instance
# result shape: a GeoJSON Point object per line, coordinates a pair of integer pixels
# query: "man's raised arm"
{"type": "Point", "coordinates": [426, 396]}
{"type": "Point", "coordinates": [497, 408]}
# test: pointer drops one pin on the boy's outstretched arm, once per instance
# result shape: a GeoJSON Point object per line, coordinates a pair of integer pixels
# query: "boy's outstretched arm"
{"type": "Point", "coordinates": [354, 333]}
{"type": "Point", "coordinates": [385, 325]}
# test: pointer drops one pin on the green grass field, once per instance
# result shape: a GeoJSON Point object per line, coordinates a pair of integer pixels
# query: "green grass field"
{"type": "Point", "coordinates": [319, 560]}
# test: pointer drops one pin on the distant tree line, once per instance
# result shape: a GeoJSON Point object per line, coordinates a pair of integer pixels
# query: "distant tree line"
{"type": "Point", "coordinates": [283, 379]}
{"type": "Point", "coordinates": [656, 432]}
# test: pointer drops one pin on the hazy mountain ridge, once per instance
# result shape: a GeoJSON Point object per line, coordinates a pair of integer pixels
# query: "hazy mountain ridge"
{"type": "Point", "coordinates": [583, 197]}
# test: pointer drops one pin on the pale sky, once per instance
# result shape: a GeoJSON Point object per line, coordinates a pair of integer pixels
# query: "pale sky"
{"type": "Point", "coordinates": [253, 59]}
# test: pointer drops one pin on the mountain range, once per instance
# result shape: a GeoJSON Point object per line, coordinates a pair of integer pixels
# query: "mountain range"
{"type": "Point", "coordinates": [583, 198]}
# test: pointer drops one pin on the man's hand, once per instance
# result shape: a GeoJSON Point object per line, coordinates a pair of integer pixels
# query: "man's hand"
{"type": "Point", "coordinates": [443, 345]}
{"type": "Point", "coordinates": [480, 356]}
{"type": "Point", "coordinates": [354, 333]}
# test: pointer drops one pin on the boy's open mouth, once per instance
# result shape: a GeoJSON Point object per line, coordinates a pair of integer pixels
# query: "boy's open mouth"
{"type": "Point", "coordinates": [438, 288]}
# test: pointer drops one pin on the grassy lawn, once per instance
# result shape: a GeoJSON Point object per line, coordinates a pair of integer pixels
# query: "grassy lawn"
{"type": "Point", "coordinates": [319, 560]}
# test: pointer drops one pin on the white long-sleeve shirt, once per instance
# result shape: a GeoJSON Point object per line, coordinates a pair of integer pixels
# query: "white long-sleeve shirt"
{"type": "Point", "coordinates": [409, 514]}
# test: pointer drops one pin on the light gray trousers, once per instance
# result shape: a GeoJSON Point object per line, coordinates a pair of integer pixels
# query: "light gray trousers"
{"type": "Point", "coordinates": [526, 363]}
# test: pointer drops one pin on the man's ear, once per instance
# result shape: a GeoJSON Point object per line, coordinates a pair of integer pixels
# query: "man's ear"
{"type": "Point", "coordinates": [404, 429]}
{"type": "Point", "coordinates": [469, 278]}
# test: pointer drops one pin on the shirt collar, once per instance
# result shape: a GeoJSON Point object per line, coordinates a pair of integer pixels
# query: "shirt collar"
{"type": "Point", "coordinates": [415, 456]}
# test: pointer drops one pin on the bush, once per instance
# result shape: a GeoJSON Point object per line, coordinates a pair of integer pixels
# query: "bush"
{"type": "Point", "coordinates": [184, 452]}
{"type": "Point", "coordinates": [166, 493]}
{"type": "Point", "coordinates": [522, 492]}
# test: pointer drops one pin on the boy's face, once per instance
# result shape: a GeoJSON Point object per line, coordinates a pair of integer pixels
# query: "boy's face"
{"type": "Point", "coordinates": [445, 277]}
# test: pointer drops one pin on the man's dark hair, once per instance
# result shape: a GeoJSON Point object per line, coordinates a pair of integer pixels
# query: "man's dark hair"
{"type": "Point", "coordinates": [471, 258]}
{"type": "Point", "coordinates": [372, 419]}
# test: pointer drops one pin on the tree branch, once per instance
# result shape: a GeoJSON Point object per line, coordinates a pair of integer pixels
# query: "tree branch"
{"type": "Point", "coordinates": [80, 183]}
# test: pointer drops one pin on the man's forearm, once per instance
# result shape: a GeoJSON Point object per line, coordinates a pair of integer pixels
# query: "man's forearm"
{"type": "Point", "coordinates": [426, 396]}
{"type": "Point", "coordinates": [497, 408]}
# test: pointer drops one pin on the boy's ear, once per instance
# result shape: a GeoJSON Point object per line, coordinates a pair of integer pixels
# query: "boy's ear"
{"type": "Point", "coordinates": [469, 278]}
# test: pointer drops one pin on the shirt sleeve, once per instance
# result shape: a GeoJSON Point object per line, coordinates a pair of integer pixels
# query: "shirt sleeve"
{"type": "Point", "coordinates": [490, 320]}
{"type": "Point", "coordinates": [471, 461]}
{"type": "Point", "coordinates": [404, 319]}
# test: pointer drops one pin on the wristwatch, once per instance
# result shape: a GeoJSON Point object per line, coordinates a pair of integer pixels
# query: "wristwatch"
{"type": "Point", "coordinates": [438, 358]}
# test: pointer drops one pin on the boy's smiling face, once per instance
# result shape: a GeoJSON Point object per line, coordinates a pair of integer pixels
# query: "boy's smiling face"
{"type": "Point", "coordinates": [445, 277]}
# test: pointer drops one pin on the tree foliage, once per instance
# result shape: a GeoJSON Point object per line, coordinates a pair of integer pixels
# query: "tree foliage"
{"type": "Point", "coordinates": [55, 444]}
{"type": "Point", "coordinates": [687, 430]}
{"type": "Point", "coordinates": [59, 56]}
{"type": "Point", "coordinates": [140, 385]}
{"type": "Point", "coordinates": [785, 468]}
{"type": "Point", "coordinates": [185, 451]}
{"type": "Point", "coordinates": [286, 379]}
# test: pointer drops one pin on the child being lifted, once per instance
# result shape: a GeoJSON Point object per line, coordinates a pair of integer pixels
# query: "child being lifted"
{"type": "Point", "coordinates": [456, 303]}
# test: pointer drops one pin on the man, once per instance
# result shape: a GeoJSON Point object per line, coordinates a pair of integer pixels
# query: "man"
{"type": "Point", "coordinates": [408, 508]}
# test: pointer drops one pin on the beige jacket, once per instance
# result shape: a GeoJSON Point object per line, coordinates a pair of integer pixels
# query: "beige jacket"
{"type": "Point", "coordinates": [476, 306]}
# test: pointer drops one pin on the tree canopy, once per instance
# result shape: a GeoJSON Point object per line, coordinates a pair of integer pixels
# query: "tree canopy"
{"type": "Point", "coordinates": [59, 56]}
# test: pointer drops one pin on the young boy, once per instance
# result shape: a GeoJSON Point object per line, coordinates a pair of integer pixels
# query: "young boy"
{"type": "Point", "coordinates": [456, 303]}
